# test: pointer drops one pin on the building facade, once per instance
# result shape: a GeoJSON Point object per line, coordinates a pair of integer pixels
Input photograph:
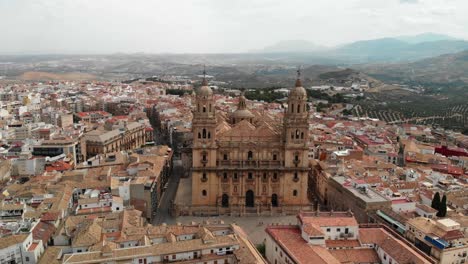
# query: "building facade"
{"type": "Point", "coordinates": [250, 162]}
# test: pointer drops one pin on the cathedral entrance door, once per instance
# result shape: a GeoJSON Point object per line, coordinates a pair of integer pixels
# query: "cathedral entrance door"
{"type": "Point", "coordinates": [249, 199]}
{"type": "Point", "coordinates": [274, 200]}
{"type": "Point", "coordinates": [225, 200]}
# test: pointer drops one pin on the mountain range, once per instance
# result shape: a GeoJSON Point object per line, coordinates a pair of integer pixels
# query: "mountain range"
{"type": "Point", "coordinates": [392, 49]}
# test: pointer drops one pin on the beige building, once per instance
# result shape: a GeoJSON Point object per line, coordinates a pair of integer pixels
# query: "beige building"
{"type": "Point", "coordinates": [123, 136]}
{"type": "Point", "coordinates": [248, 161]}
{"type": "Point", "coordinates": [350, 194]}
{"type": "Point", "coordinates": [442, 239]}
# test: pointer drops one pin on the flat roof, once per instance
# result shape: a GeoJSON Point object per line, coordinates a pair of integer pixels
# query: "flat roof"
{"type": "Point", "coordinates": [371, 196]}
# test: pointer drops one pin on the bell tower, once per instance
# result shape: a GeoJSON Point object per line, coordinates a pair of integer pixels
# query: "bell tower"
{"type": "Point", "coordinates": [296, 144]}
{"type": "Point", "coordinates": [204, 146]}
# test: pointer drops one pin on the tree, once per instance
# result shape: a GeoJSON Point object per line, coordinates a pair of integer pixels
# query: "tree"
{"type": "Point", "coordinates": [443, 207]}
{"type": "Point", "coordinates": [436, 201]}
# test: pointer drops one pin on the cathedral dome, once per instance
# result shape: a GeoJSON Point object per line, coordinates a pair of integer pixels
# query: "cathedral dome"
{"type": "Point", "coordinates": [299, 90]}
{"type": "Point", "coordinates": [205, 90]}
{"type": "Point", "coordinates": [242, 112]}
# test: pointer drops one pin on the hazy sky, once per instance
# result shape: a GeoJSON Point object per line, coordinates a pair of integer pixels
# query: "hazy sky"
{"type": "Point", "coordinates": [107, 26]}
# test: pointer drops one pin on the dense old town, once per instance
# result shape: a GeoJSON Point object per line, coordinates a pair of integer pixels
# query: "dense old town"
{"type": "Point", "coordinates": [186, 171]}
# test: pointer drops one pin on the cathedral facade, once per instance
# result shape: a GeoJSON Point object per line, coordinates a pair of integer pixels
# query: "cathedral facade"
{"type": "Point", "coordinates": [248, 161]}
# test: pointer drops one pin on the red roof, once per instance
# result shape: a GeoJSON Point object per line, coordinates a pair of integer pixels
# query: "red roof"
{"type": "Point", "coordinates": [290, 240]}
{"type": "Point", "coordinates": [33, 246]}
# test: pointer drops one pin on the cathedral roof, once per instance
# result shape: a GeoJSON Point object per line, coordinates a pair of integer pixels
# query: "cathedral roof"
{"type": "Point", "coordinates": [244, 130]}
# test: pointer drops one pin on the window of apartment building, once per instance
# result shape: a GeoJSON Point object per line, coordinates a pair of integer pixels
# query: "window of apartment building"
{"type": "Point", "coordinates": [385, 256]}
{"type": "Point", "coordinates": [27, 259]}
{"type": "Point", "coordinates": [204, 192]}
{"type": "Point", "coordinates": [276, 249]}
{"type": "Point", "coordinates": [346, 230]}
{"type": "Point", "coordinates": [328, 229]}
{"type": "Point", "coordinates": [173, 256]}
{"type": "Point", "coordinates": [338, 230]}
{"type": "Point", "coordinates": [295, 193]}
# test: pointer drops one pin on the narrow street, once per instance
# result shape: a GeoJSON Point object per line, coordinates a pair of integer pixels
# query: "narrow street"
{"type": "Point", "coordinates": [162, 214]}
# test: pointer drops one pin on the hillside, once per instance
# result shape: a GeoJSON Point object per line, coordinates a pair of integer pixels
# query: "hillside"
{"type": "Point", "coordinates": [444, 69]}
{"type": "Point", "coordinates": [47, 76]}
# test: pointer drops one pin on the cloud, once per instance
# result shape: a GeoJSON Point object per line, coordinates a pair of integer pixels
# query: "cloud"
{"type": "Point", "coordinates": [212, 26]}
{"type": "Point", "coordinates": [409, 1]}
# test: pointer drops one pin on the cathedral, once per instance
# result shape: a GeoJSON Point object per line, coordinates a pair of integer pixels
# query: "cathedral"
{"type": "Point", "coordinates": [248, 161]}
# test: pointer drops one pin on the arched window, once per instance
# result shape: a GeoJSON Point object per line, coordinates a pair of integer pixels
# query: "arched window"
{"type": "Point", "coordinates": [275, 156]}
{"type": "Point", "coordinates": [225, 156]}
{"type": "Point", "coordinates": [199, 135]}
{"type": "Point", "coordinates": [204, 176]}
{"type": "Point", "coordinates": [296, 177]}
{"type": "Point", "coordinates": [204, 109]}
{"type": "Point", "coordinates": [249, 155]}
{"type": "Point", "coordinates": [225, 175]}
{"type": "Point", "coordinates": [209, 135]}
{"type": "Point", "coordinates": [302, 135]}
{"type": "Point", "coordinates": [204, 133]}
{"type": "Point", "coordinates": [250, 176]}
{"type": "Point", "coordinates": [264, 176]}
{"type": "Point", "coordinates": [297, 134]}
{"type": "Point", "coordinates": [275, 176]}
{"type": "Point", "coordinates": [295, 193]}
{"type": "Point", "coordinates": [292, 108]}
{"type": "Point", "coordinates": [203, 192]}
{"type": "Point", "coordinates": [298, 108]}
{"type": "Point", "coordinates": [235, 175]}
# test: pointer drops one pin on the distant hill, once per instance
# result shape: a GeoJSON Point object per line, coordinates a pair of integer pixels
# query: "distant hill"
{"type": "Point", "coordinates": [425, 37]}
{"type": "Point", "coordinates": [392, 50]}
{"type": "Point", "coordinates": [448, 68]}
